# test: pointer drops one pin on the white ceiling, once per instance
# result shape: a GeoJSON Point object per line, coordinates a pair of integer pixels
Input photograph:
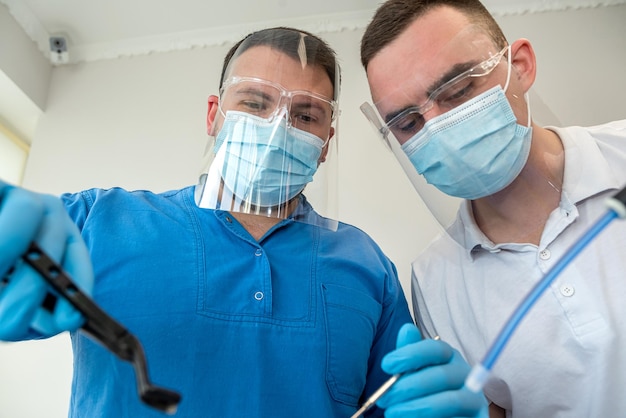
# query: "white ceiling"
{"type": "Point", "coordinates": [112, 28]}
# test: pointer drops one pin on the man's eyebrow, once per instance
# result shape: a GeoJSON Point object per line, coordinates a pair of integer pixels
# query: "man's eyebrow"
{"type": "Point", "coordinates": [255, 92]}
{"type": "Point", "coordinates": [392, 115]}
{"type": "Point", "coordinates": [455, 71]}
{"type": "Point", "coordinates": [310, 104]}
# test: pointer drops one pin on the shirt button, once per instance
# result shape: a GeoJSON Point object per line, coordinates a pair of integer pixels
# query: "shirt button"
{"type": "Point", "coordinates": [567, 290]}
{"type": "Point", "coordinates": [545, 254]}
{"type": "Point", "coordinates": [258, 295]}
{"type": "Point", "coordinates": [258, 252]}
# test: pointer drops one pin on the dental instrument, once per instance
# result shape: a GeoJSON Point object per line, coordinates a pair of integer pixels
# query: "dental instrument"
{"type": "Point", "coordinates": [379, 392]}
{"type": "Point", "coordinates": [104, 329]}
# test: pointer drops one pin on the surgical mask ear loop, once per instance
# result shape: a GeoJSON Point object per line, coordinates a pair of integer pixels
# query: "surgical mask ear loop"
{"type": "Point", "coordinates": [506, 85]}
{"type": "Point", "coordinates": [527, 98]}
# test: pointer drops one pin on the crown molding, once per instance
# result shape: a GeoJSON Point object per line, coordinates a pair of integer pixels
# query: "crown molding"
{"type": "Point", "coordinates": [226, 35]}
{"type": "Point", "coordinates": [521, 7]}
{"type": "Point", "coordinates": [214, 36]}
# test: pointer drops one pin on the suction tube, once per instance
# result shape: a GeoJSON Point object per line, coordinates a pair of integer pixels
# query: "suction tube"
{"type": "Point", "coordinates": [479, 374]}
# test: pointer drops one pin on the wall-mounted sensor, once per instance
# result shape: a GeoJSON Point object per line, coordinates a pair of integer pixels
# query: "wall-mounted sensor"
{"type": "Point", "coordinates": [58, 50]}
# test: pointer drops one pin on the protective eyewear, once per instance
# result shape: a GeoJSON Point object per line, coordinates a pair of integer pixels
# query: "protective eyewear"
{"type": "Point", "coordinates": [457, 89]}
{"type": "Point", "coordinates": [307, 111]}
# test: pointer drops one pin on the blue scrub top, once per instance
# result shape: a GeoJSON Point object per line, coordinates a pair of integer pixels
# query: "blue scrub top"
{"type": "Point", "coordinates": [294, 325]}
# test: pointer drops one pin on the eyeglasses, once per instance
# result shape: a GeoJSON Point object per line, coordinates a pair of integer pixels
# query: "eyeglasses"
{"type": "Point", "coordinates": [307, 111]}
{"type": "Point", "coordinates": [457, 90]}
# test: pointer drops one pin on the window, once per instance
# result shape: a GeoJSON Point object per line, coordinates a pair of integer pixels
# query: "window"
{"type": "Point", "coordinates": [13, 154]}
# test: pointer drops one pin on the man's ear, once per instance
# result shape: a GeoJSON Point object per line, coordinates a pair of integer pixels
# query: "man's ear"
{"type": "Point", "coordinates": [213, 106]}
{"type": "Point", "coordinates": [322, 158]}
{"type": "Point", "coordinates": [524, 63]}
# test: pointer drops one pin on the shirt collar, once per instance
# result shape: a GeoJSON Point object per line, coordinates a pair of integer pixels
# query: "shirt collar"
{"type": "Point", "coordinates": [465, 231]}
{"type": "Point", "coordinates": [587, 171]}
{"type": "Point", "coordinates": [305, 213]}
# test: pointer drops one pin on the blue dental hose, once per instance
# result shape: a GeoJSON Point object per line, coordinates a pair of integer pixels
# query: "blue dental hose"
{"type": "Point", "coordinates": [479, 374]}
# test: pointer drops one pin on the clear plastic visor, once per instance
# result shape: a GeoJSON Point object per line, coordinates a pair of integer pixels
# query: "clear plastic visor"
{"type": "Point", "coordinates": [274, 131]}
{"type": "Point", "coordinates": [453, 127]}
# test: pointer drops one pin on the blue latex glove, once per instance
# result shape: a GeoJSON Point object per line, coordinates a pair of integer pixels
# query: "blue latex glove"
{"type": "Point", "coordinates": [24, 217]}
{"type": "Point", "coordinates": [433, 380]}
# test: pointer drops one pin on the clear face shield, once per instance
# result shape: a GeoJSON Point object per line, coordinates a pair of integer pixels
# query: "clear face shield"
{"type": "Point", "coordinates": [452, 126]}
{"type": "Point", "coordinates": [274, 126]}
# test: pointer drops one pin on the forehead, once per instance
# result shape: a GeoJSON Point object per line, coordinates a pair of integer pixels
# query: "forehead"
{"type": "Point", "coordinates": [272, 65]}
{"type": "Point", "coordinates": [429, 48]}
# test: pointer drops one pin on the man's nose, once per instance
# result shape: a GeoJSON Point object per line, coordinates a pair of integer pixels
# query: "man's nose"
{"type": "Point", "coordinates": [433, 112]}
{"type": "Point", "coordinates": [281, 111]}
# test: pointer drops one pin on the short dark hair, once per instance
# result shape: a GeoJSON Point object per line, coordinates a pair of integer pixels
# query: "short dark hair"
{"type": "Point", "coordinates": [287, 40]}
{"type": "Point", "coordinates": [394, 16]}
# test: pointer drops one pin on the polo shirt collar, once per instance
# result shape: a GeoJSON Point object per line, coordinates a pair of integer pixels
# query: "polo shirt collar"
{"type": "Point", "coordinates": [586, 174]}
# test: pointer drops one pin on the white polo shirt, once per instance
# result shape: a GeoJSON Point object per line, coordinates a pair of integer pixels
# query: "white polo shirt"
{"type": "Point", "coordinates": [568, 356]}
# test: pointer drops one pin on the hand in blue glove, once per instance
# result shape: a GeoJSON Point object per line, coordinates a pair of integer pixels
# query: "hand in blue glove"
{"type": "Point", "coordinates": [24, 217]}
{"type": "Point", "coordinates": [433, 380]}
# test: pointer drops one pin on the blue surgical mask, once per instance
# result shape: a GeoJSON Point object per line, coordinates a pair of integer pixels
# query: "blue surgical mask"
{"type": "Point", "coordinates": [266, 163]}
{"type": "Point", "coordinates": [474, 150]}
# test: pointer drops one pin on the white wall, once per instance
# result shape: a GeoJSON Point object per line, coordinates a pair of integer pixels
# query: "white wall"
{"type": "Point", "coordinates": [24, 82]}
{"type": "Point", "coordinates": [139, 123]}
{"type": "Point", "coordinates": [21, 61]}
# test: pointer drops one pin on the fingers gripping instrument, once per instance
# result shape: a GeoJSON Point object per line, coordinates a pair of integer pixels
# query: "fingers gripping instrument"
{"type": "Point", "coordinates": [104, 329]}
{"type": "Point", "coordinates": [384, 388]}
